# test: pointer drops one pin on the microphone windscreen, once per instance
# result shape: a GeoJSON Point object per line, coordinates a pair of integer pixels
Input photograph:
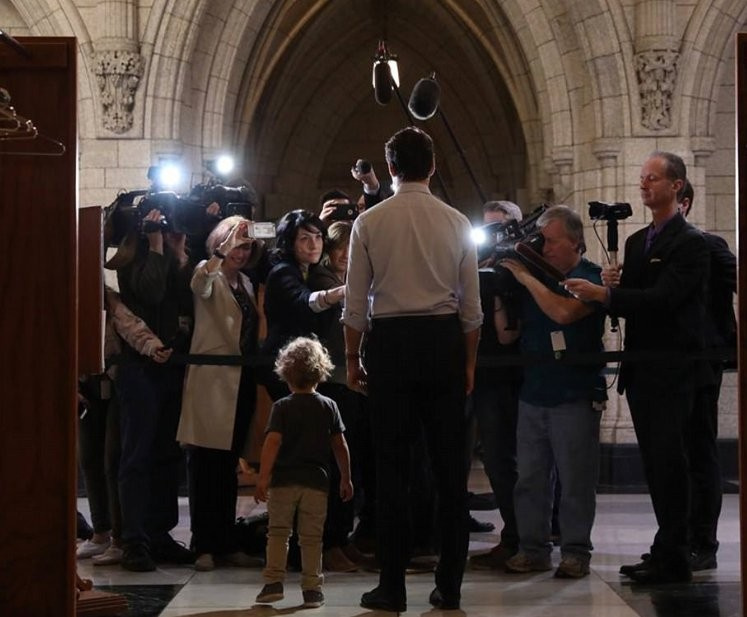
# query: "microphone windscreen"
{"type": "Point", "coordinates": [424, 99]}
{"type": "Point", "coordinates": [382, 83]}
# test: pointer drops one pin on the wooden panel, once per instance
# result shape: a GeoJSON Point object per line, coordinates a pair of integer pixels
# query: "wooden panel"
{"type": "Point", "coordinates": [741, 64]}
{"type": "Point", "coordinates": [90, 290]}
{"type": "Point", "coordinates": [38, 330]}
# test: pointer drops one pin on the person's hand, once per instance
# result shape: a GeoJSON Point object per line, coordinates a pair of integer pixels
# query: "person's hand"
{"type": "Point", "coordinates": [260, 490]}
{"type": "Point", "coordinates": [369, 180]}
{"type": "Point", "coordinates": [519, 270]}
{"type": "Point", "coordinates": [584, 290]}
{"type": "Point", "coordinates": [213, 209]}
{"type": "Point", "coordinates": [334, 295]}
{"type": "Point", "coordinates": [238, 235]}
{"type": "Point", "coordinates": [346, 490]}
{"type": "Point", "coordinates": [162, 354]}
{"type": "Point", "coordinates": [152, 220]}
{"type": "Point", "coordinates": [357, 379]}
{"type": "Point", "coordinates": [611, 275]}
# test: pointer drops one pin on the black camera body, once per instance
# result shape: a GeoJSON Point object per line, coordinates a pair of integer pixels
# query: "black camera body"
{"type": "Point", "coordinates": [346, 211]}
{"type": "Point", "coordinates": [362, 166]}
{"type": "Point", "coordinates": [617, 211]}
{"type": "Point", "coordinates": [502, 239]}
{"type": "Point", "coordinates": [233, 200]}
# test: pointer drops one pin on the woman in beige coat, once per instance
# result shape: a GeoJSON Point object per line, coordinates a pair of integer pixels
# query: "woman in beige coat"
{"type": "Point", "coordinates": [218, 401]}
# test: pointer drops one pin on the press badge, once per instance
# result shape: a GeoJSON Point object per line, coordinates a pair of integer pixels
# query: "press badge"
{"type": "Point", "coordinates": [557, 340]}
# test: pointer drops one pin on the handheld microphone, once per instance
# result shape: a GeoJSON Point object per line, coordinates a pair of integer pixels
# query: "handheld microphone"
{"type": "Point", "coordinates": [424, 99]}
{"type": "Point", "coordinates": [382, 78]}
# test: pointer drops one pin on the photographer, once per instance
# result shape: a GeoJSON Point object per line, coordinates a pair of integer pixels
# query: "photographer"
{"type": "Point", "coordinates": [154, 285]}
{"type": "Point", "coordinates": [219, 400]}
{"type": "Point", "coordinates": [661, 293]}
{"type": "Point", "coordinates": [559, 404]}
{"type": "Point", "coordinates": [495, 403]}
{"type": "Point", "coordinates": [336, 205]}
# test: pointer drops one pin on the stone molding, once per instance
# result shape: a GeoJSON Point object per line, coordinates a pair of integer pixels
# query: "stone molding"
{"type": "Point", "coordinates": [118, 74]}
{"type": "Point", "coordinates": [657, 72]}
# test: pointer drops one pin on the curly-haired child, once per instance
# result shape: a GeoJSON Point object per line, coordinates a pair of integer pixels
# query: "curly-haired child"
{"type": "Point", "coordinates": [293, 472]}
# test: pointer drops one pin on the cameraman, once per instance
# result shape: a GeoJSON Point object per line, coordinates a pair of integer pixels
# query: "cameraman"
{"type": "Point", "coordinates": [495, 402]}
{"type": "Point", "coordinates": [559, 404]}
{"type": "Point", "coordinates": [154, 284]}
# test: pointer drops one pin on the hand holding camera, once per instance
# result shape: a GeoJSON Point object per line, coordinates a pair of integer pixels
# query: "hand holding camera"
{"type": "Point", "coordinates": [238, 235]}
{"type": "Point", "coordinates": [152, 229]}
{"type": "Point", "coordinates": [363, 172]}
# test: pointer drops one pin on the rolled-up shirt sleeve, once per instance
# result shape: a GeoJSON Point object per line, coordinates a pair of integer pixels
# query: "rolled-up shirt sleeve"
{"type": "Point", "coordinates": [358, 282]}
{"type": "Point", "coordinates": [470, 309]}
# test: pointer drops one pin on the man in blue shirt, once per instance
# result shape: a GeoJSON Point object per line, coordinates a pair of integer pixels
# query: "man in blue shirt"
{"type": "Point", "coordinates": [559, 404]}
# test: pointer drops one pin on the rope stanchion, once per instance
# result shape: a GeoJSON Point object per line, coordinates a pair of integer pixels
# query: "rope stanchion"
{"type": "Point", "coordinates": [485, 361]}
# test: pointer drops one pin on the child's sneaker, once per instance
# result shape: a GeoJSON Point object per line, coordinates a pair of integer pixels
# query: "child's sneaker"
{"type": "Point", "coordinates": [272, 592]}
{"type": "Point", "coordinates": [313, 598]}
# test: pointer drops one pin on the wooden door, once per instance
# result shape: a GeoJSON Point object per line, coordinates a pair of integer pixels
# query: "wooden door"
{"type": "Point", "coordinates": [38, 332]}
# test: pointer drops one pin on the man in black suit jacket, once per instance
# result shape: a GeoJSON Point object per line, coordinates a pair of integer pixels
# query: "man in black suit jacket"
{"type": "Point", "coordinates": [720, 334]}
{"type": "Point", "coordinates": [661, 294]}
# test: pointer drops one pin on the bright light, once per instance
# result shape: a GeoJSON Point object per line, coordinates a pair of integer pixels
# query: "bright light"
{"type": "Point", "coordinates": [478, 235]}
{"type": "Point", "coordinates": [395, 72]}
{"type": "Point", "coordinates": [224, 165]}
{"type": "Point", "coordinates": [169, 175]}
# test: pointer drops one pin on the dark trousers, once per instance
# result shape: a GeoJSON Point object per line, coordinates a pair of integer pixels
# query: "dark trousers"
{"type": "Point", "coordinates": [661, 417]}
{"type": "Point", "coordinates": [705, 467]}
{"type": "Point", "coordinates": [99, 452]}
{"type": "Point", "coordinates": [213, 485]}
{"type": "Point", "coordinates": [341, 514]}
{"type": "Point", "coordinates": [152, 462]}
{"type": "Point", "coordinates": [416, 382]}
{"type": "Point", "coordinates": [496, 407]}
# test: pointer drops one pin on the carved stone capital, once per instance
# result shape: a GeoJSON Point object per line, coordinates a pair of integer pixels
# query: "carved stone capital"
{"type": "Point", "coordinates": [118, 74]}
{"type": "Point", "coordinates": [657, 72]}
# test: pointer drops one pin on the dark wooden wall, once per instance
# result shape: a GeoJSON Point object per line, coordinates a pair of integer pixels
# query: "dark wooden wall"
{"type": "Point", "coordinates": [741, 69]}
{"type": "Point", "coordinates": [38, 335]}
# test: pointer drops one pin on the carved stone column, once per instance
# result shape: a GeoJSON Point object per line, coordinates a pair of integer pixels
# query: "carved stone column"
{"type": "Point", "coordinates": [118, 65]}
{"type": "Point", "coordinates": [656, 58]}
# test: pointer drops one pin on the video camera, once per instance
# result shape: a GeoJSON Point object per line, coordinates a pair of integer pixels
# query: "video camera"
{"type": "Point", "coordinates": [601, 211]}
{"type": "Point", "coordinates": [180, 214]}
{"type": "Point", "coordinates": [233, 200]}
{"type": "Point", "coordinates": [497, 241]}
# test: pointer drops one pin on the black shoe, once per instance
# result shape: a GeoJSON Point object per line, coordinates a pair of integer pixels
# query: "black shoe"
{"type": "Point", "coordinates": [635, 567]}
{"type": "Point", "coordinates": [476, 526]}
{"type": "Point", "coordinates": [136, 558]}
{"type": "Point", "coordinates": [169, 550]}
{"type": "Point", "coordinates": [703, 560]}
{"type": "Point", "coordinates": [445, 603]}
{"type": "Point", "coordinates": [654, 574]}
{"type": "Point", "coordinates": [376, 599]}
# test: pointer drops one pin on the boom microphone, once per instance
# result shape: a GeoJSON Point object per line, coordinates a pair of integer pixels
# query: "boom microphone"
{"type": "Point", "coordinates": [382, 78]}
{"type": "Point", "coordinates": [424, 98]}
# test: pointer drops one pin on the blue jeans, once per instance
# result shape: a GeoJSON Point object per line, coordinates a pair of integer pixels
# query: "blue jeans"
{"type": "Point", "coordinates": [567, 437]}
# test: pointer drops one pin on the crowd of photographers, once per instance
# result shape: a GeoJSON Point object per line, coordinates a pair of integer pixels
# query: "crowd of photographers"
{"type": "Point", "coordinates": [537, 424]}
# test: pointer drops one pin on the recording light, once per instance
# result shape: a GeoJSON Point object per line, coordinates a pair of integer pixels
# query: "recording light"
{"type": "Point", "coordinates": [224, 165]}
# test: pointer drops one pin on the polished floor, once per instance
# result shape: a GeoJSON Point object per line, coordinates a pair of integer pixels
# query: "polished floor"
{"type": "Point", "coordinates": [623, 529]}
